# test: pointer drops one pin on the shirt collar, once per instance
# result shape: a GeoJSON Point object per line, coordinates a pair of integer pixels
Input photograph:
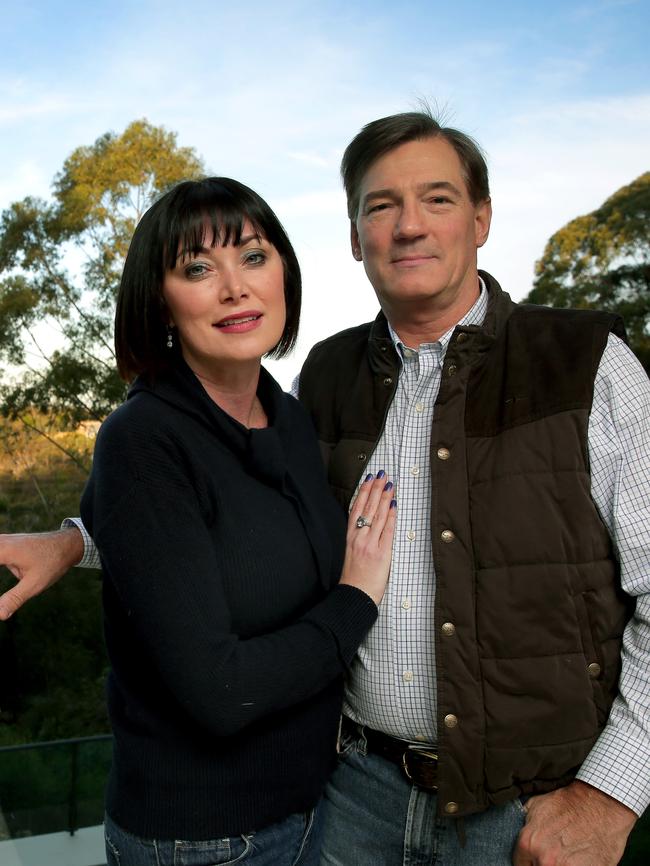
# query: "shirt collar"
{"type": "Point", "coordinates": [474, 316]}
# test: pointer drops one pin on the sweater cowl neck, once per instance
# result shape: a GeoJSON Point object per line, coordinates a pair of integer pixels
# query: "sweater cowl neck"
{"type": "Point", "coordinates": [267, 453]}
{"type": "Point", "coordinates": [263, 451]}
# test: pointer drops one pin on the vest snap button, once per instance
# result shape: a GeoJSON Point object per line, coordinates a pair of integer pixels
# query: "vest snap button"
{"type": "Point", "coordinates": [451, 808]}
{"type": "Point", "coordinates": [451, 721]}
{"type": "Point", "coordinates": [447, 536]}
{"type": "Point", "coordinates": [388, 380]}
{"type": "Point", "coordinates": [448, 629]}
{"type": "Point", "coordinates": [361, 456]}
{"type": "Point", "coordinates": [443, 453]}
{"type": "Point", "coordinates": [451, 371]}
{"type": "Point", "coordinates": [594, 670]}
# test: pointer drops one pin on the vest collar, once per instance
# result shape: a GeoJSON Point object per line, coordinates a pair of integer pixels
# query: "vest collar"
{"type": "Point", "coordinates": [383, 355]}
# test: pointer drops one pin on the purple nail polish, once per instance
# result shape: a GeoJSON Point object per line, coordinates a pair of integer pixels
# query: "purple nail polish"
{"type": "Point", "coordinates": [388, 486]}
{"type": "Point", "coordinates": [369, 477]}
{"type": "Point", "coordinates": [393, 503]}
{"type": "Point", "coordinates": [381, 473]}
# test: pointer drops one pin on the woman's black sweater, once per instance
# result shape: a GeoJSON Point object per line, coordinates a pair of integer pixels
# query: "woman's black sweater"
{"type": "Point", "coordinates": [219, 548]}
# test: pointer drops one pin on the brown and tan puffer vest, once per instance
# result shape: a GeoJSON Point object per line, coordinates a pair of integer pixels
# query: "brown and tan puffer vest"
{"type": "Point", "coordinates": [529, 610]}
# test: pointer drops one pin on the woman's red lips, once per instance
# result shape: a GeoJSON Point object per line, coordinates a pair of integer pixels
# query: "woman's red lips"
{"type": "Point", "coordinates": [243, 321]}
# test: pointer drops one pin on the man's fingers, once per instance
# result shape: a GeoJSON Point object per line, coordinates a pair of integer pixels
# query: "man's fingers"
{"type": "Point", "coordinates": [10, 601]}
{"type": "Point", "coordinates": [519, 858]}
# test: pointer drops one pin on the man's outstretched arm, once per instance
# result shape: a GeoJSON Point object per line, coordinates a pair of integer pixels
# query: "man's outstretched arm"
{"type": "Point", "coordinates": [37, 560]}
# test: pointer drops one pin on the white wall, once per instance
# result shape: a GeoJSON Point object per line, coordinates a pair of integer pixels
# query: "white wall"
{"type": "Point", "coordinates": [85, 848]}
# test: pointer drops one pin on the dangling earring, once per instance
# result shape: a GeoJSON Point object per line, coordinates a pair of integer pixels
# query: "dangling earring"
{"type": "Point", "coordinates": [170, 338]}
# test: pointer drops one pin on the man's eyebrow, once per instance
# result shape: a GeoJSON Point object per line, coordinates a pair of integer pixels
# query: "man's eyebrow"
{"type": "Point", "coordinates": [429, 186]}
{"type": "Point", "coordinates": [439, 184]}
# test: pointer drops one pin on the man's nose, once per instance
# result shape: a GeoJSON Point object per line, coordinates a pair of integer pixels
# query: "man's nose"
{"type": "Point", "coordinates": [410, 222]}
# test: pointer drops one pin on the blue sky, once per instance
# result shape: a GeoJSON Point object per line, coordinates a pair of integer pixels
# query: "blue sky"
{"type": "Point", "coordinates": [557, 93]}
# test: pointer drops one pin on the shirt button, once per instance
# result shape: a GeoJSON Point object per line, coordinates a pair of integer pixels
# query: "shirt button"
{"type": "Point", "coordinates": [420, 738]}
{"type": "Point", "coordinates": [415, 471]}
{"type": "Point", "coordinates": [447, 536]}
{"type": "Point", "coordinates": [448, 629]}
{"type": "Point", "coordinates": [594, 670]}
{"type": "Point", "coordinates": [411, 535]}
{"type": "Point", "coordinates": [443, 453]}
{"type": "Point", "coordinates": [419, 408]}
{"type": "Point", "coordinates": [451, 808]}
{"type": "Point", "coordinates": [406, 604]}
{"type": "Point", "coordinates": [407, 676]}
{"type": "Point", "coordinates": [451, 370]}
{"type": "Point", "coordinates": [388, 381]}
{"type": "Point", "coordinates": [451, 720]}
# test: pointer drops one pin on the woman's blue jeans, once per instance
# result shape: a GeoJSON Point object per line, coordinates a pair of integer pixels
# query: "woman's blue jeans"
{"type": "Point", "coordinates": [295, 841]}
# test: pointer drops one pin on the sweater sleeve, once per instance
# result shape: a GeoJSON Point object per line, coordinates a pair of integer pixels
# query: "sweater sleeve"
{"type": "Point", "coordinates": [173, 593]}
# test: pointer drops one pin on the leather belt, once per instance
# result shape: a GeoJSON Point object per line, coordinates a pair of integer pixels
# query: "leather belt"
{"type": "Point", "coordinates": [418, 762]}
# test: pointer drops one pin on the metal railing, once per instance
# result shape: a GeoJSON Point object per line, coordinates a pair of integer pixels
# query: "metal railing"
{"type": "Point", "coordinates": [53, 786]}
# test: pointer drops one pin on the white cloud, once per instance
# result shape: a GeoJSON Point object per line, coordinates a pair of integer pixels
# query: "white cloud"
{"type": "Point", "coordinates": [313, 159]}
{"type": "Point", "coordinates": [26, 178]}
{"type": "Point", "coordinates": [552, 165]}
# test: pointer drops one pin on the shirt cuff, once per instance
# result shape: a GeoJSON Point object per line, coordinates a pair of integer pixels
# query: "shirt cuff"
{"type": "Point", "coordinates": [90, 559]}
{"type": "Point", "coordinates": [618, 765]}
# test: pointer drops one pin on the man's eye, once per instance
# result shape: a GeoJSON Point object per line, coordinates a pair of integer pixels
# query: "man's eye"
{"type": "Point", "coordinates": [439, 199]}
{"type": "Point", "coordinates": [377, 207]}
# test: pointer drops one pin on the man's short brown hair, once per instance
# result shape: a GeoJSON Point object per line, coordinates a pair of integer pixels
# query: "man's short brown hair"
{"type": "Point", "coordinates": [381, 136]}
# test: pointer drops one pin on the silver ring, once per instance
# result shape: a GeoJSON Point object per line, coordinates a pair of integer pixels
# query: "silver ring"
{"type": "Point", "coordinates": [361, 522]}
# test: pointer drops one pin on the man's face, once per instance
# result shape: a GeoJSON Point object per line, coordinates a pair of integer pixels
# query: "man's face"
{"type": "Point", "coordinates": [417, 230]}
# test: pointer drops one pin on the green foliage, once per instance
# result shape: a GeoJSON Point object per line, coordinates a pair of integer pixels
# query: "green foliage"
{"type": "Point", "coordinates": [60, 265]}
{"type": "Point", "coordinates": [38, 785]}
{"type": "Point", "coordinates": [602, 261]}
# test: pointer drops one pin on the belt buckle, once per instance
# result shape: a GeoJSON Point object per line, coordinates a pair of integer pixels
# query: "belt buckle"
{"type": "Point", "coordinates": [427, 753]}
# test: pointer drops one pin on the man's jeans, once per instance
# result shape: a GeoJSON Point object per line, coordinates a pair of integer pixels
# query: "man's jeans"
{"type": "Point", "coordinates": [375, 817]}
{"type": "Point", "coordinates": [292, 842]}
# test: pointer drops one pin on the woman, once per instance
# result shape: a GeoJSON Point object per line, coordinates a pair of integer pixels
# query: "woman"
{"type": "Point", "coordinates": [227, 627]}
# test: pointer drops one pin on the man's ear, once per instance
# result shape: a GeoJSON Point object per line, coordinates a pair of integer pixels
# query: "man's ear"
{"type": "Point", "coordinates": [482, 218]}
{"type": "Point", "coordinates": [354, 242]}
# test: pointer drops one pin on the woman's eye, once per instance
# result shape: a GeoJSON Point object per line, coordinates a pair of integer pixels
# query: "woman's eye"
{"type": "Point", "coordinates": [255, 257]}
{"type": "Point", "coordinates": [195, 270]}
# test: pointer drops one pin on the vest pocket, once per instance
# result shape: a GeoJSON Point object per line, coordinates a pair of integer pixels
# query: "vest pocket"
{"type": "Point", "coordinates": [592, 653]}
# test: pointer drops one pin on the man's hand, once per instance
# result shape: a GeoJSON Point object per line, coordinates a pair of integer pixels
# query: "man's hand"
{"type": "Point", "coordinates": [38, 560]}
{"type": "Point", "coordinates": [574, 826]}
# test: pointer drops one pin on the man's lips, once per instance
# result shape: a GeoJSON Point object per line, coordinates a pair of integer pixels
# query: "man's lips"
{"type": "Point", "coordinates": [412, 261]}
{"type": "Point", "coordinates": [247, 320]}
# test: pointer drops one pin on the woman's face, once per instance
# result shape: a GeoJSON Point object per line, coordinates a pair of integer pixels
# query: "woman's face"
{"type": "Point", "coordinates": [227, 303]}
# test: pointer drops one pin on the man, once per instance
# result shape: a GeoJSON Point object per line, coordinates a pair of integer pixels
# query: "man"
{"type": "Point", "coordinates": [493, 675]}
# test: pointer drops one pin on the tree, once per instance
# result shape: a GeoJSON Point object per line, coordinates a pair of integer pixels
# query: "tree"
{"type": "Point", "coordinates": [602, 261]}
{"type": "Point", "coordinates": [60, 263]}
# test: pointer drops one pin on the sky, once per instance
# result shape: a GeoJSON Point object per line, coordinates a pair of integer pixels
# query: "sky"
{"type": "Point", "coordinates": [557, 94]}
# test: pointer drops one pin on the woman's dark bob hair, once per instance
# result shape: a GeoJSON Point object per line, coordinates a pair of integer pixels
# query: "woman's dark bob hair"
{"type": "Point", "coordinates": [213, 209]}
